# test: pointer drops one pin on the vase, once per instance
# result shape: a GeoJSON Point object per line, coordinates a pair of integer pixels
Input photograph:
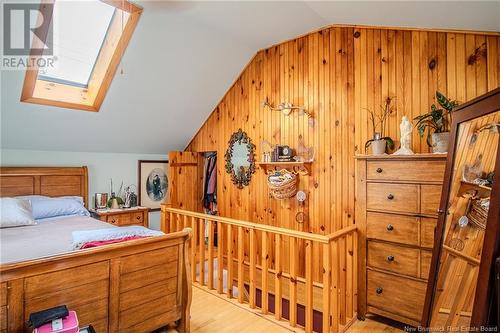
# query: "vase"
{"type": "Point", "coordinates": [440, 142]}
{"type": "Point", "coordinates": [378, 147]}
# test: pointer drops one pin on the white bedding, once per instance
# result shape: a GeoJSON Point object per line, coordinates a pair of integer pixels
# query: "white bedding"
{"type": "Point", "coordinates": [48, 237]}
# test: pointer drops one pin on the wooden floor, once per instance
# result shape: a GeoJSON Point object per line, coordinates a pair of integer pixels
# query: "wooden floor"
{"type": "Point", "coordinates": [211, 313]}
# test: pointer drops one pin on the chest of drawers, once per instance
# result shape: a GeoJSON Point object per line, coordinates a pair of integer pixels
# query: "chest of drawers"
{"type": "Point", "coordinates": [397, 198]}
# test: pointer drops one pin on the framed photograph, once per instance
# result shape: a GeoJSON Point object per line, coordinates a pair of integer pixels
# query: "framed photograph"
{"type": "Point", "coordinates": [152, 184]}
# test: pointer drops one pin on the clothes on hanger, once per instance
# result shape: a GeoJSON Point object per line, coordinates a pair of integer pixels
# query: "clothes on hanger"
{"type": "Point", "coordinates": [210, 184]}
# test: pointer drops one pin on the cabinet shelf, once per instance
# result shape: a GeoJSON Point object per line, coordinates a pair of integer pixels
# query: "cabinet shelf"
{"type": "Point", "coordinates": [300, 168]}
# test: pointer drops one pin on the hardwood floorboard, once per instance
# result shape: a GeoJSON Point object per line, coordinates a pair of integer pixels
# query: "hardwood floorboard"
{"type": "Point", "coordinates": [211, 313]}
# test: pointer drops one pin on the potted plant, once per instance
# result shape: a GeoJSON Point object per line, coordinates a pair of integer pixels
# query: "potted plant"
{"type": "Point", "coordinates": [437, 124]}
{"type": "Point", "coordinates": [379, 142]}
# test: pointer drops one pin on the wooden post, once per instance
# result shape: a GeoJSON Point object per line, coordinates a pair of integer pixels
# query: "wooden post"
{"type": "Point", "coordinates": [253, 254]}
{"type": "Point", "coordinates": [335, 287]}
{"type": "Point", "coordinates": [326, 287]}
{"type": "Point", "coordinates": [220, 259]}
{"type": "Point", "coordinates": [277, 278]}
{"type": "Point", "coordinates": [230, 275]}
{"type": "Point", "coordinates": [293, 282]}
{"type": "Point", "coordinates": [210, 248]}
{"type": "Point", "coordinates": [309, 288]}
{"type": "Point", "coordinates": [265, 266]}
{"type": "Point", "coordinates": [241, 277]}
{"type": "Point", "coordinates": [171, 221]}
{"type": "Point", "coordinates": [202, 252]}
{"type": "Point", "coordinates": [194, 239]}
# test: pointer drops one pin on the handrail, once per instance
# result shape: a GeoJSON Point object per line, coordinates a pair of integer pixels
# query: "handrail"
{"type": "Point", "coordinates": [324, 239]}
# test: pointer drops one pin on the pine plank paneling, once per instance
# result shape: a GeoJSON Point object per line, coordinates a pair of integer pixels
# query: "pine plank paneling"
{"type": "Point", "coordinates": [337, 73]}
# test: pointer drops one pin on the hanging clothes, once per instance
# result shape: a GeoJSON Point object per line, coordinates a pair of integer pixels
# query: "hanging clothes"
{"type": "Point", "coordinates": [210, 184]}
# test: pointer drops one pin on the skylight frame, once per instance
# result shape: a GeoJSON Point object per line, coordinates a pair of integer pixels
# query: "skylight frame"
{"type": "Point", "coordinates": [73, 96]}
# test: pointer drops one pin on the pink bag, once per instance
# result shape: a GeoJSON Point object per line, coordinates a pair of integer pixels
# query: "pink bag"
{"type": "Point", "coordinates": [70, 325]}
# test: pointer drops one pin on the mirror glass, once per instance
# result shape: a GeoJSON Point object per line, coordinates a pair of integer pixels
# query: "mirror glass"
{"type": "Point", "coordinates": [468, 205]}
{"type": "Point", "coordinates": [240, 158]}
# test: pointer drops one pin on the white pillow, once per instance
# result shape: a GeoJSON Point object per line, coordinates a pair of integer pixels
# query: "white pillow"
{"type": "Point", "coordinates": [15, 213]}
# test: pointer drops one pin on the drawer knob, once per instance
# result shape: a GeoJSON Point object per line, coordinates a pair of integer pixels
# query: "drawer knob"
{"type": "Point", "coordinates": [390, 197]}
{"type": "Point", "coordinates": [390, 258]}
{"type": "Point", "coordinates": [390, 227]}
{"type": "Point", "coordinates": [138, 217]}
{"type": "Point", "coordinates": [379, 170]}
{"type": "Point", "coordinates": [113, 221]}
{"type": "Point", "coordinates": [379, 290]}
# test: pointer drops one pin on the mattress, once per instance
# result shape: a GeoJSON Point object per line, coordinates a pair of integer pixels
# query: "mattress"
{"type": "Point", "coordinates": [47, 238]}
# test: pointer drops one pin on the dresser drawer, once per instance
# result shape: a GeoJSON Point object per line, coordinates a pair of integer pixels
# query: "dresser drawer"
{"type": "Point", "coordinates": [393, 258]}
{"type": "Point", "coordinates": [399, 170]}
{"type": "Point", "coordinates": [430, 196]}
{"type": "Point", "coordinates": [392, 197]}
{"type": "Point", "coordinates": [427, 226]}
{"type": "Point", "coordinates": [395, 294]}
{"type": "Point", "coordinates": [391, 227]}
{"type": "Point", "coordinates": [425, 264]}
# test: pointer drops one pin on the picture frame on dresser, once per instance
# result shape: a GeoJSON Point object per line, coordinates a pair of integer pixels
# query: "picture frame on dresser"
{"type": "Point", "coordinates": [453, 298]}
{"type": "Point", "coordinates": [152, 183]}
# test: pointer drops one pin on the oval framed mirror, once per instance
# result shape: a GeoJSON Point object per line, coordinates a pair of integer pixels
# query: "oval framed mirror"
{"type": "Point", "coordinates": [240, 158]}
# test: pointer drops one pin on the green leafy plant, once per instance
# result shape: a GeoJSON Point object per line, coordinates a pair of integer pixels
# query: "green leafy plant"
{"type": "Point", "coordinates": [378, 121]}
{"type": "Point", "coordinates": [437, 120]}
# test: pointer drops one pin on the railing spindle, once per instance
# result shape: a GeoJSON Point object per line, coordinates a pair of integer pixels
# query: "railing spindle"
{"type": "Point", "coordinates": [342, 256]}
{"type": "Point", "coordinates": [241, 277]}
{"type": "Point", "coordinates": [277, 278]}
{"type": "Point", "coordinates": [355, 274]}
{"type": "Point", "coordinates": [202, 252]}
{"type": "Point", "coordinates": [335, 286]}
{"type": "Point", "coordinates": [265, 267]}
{"type": "Point", "coordinates": [230, 275]}
{"type": "Point", "coordinates": [210, 248]}
{"type": "Point", "coordinates": [293, 282]}
{"type": "Point", "coordinates": [194, 240]}
{"type": "Point", "coordinates": [220, 259]}
{"type": "Point", "coordinates": [253, 254]}
{"type": "Point", "coordinates": [309, 287]}
{"type": "Point", "coordinates": [326, 287]}
{"type": "Point", "coordinates": [349, 277]}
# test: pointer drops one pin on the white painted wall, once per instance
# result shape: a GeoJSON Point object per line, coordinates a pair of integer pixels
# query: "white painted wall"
{"type": "Point", "coordinates": [101, 167]}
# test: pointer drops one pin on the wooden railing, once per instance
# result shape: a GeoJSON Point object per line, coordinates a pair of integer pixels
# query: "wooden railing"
{"type": "Point", "coordinates": [296, 275]}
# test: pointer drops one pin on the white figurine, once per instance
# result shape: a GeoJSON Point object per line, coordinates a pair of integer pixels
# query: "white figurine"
{"type": "Point", "coordinates": [405, 128]}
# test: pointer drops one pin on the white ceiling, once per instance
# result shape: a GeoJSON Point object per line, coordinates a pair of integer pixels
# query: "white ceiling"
{"type": "Point", "coordinates": [182, 58]}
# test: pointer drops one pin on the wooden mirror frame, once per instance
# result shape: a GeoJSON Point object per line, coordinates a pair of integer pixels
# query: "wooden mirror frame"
{"type": "Point", "coordinates": [476, 108]}
{"type": "Point", "coordinates": [240, 137]}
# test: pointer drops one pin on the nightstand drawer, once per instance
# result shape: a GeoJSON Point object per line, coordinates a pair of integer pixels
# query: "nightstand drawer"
{"type": "Point", "coordinates": [393, 228]}
{"type": "Point", "coordinates": [119, 219]}
{"type": "Point", "coordinates": [399, 171]}
{"type": "Point", "coordinates": [398, 295]}
{"type": "Point", "coordinates": [392, 197]}
{"type": "Point", "coordinates": [393, 258]}
{"type": "Point", "coordinates": [137, 218]}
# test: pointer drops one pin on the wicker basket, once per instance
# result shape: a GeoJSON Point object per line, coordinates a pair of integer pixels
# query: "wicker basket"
{"type": "Point", "coordinates": [478, 214]}
{"type": "Point", "coordinates": [285, 189]}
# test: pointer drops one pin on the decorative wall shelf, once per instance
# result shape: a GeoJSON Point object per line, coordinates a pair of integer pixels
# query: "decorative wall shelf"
{"type": "Point", "coordinates": [480, 191]}
{"type": "Point", "coordinates": [299, 168]}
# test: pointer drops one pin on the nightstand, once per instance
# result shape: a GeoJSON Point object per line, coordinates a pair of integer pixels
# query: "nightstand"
{"type": "Point", "coordinates": [123, 216]}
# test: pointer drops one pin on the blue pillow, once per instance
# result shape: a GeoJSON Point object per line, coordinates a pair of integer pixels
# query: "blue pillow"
{"type": "Point", "coordinates": [45, 207]}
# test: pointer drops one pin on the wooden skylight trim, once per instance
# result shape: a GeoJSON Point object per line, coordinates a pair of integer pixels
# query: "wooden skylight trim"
{"type": "Point", "coordinates": [88, 98]}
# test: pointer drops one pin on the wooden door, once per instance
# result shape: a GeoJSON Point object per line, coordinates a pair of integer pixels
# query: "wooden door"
{"type": "Point", "coordinates": [185, 173]}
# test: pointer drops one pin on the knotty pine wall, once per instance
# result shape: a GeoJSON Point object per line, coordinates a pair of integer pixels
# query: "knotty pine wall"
{"type": "Point", "coordinates": [337, 74]}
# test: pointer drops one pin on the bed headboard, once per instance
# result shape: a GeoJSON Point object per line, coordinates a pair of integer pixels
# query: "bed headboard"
{"type": "Point", "coordinates": [49, 181]}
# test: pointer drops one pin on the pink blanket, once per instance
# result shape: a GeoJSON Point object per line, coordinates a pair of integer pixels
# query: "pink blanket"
{"type": "Point", "coordinates": [111, 241]}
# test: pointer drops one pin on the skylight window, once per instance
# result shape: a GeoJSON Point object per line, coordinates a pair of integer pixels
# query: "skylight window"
{"type": "Point", "coordinates": [89, 38]}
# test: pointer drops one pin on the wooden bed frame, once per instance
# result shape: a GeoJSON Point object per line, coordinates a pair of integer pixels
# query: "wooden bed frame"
{"type": "Point", "coordinates": [135, 286]}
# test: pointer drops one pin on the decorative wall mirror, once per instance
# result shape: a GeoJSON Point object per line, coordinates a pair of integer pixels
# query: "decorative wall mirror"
{"type": "Point", "coordinates": [240, 158]}
{"type": "Point", "coordinates": [466, 237]}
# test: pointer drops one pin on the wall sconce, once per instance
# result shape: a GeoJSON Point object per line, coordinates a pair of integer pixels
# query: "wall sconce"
{"type": "Point", "coordinates": [492, 127]}
{"type": "Point", "coordinates": [287, 108]}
